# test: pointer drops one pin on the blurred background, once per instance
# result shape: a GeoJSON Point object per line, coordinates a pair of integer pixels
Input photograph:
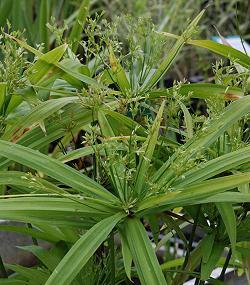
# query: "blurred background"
{"type": "Point", "coordinates": [42, 21]}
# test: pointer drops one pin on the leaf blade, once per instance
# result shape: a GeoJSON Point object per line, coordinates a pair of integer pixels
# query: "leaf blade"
{"type": "Point", "coordinates": [54, 169]}
{"type": "Point", "coordinates": [147, 265]}
{"type": "Point", "coordinates": [81, 251]}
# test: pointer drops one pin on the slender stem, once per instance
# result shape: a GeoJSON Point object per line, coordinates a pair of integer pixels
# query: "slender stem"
{"type": "Point", "coordinates": [223, 271]}
{"type": "Point", "coordinates": [197, 281]}
{"type": "Point", "coordinates": [35, 242]}
{"type": "Point", "coordinates": [238, 29]}
{"type": "Point", "coordinates": [189, 249]}
{"type": "Point", "coordinates": [3, 272]}
{"type": "Point", "coordinates": [112, 258]}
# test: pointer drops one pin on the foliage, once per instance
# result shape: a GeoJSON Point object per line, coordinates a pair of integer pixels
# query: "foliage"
{"type": "Point", "coordinates": [97, 154]}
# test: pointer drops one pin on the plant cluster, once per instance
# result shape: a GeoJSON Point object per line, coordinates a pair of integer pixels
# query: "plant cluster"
{"type": "Point", "coordinates": [103, 161]}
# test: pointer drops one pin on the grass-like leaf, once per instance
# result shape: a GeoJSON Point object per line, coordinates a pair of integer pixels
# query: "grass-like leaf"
{"type": "Point", "coordinates": [81, 251]}
{"type": "Point", "coordinates": [220, 49]}
{"type": "Point", "coordinates": [53, 168]}
{"type": "Point", "coordinates": [203, 139]}
{"type": "Point", "coordinates": [228, 216]}
{"type": "Point", "coordinates": [147, 265]}
{"type": "Point", "coordinates": [194, 193]}
{"type": "Point", "coordinates": [166, 63]}
{"type": "Point", "coordinates": [214, 167]}
{"type": "Point", "coordinates": [147, 153]}
{"type": "Point", "coordinates": [76, 32]}
{"type": "Point", "coordinates": [202, 91]}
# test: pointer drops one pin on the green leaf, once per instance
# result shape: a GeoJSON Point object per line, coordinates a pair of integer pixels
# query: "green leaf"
{"type": "Point", "coordinates": [6, 6]}
{"type": "Point", "coordinates": [207, 268]}
{"type": "Point", "coordinates": [223, 50]}
{"type": "Point", "coordinates": [243, 230]}
{"type": "Point", "coordinates": [25, 46]}
{"type": "Point", "coordinates": [3, 86]}
{"type": "Point", "coordinates": [43, 20]}
{"type": "Point", "coordinates": [172, 263]}
{"type": "Point", "coordinates": [188, 120]}
{"type": "Point", "coordinates": [48, 259]}
{"type": "Point", "coordinates": [154, 227]}
{"type": "Point", "coordinates": [39, 72]}
{"type": "Point", "coordinates": [30, 232]}
{"type": "Point", "coordinates": [124, 125]}
{"type": "Point", "coordinates": [29, 273]}
{"type": "Point", "coordinates": [37, 114]}
{"type": "Point", "coordinates": [82, 251]}
{"type": "Point", "coordinates": [15, 100]}
{"type": "Point", "coordinates": [126, 254]}
{"type": "Point", "coordinates": [12, 282]}
{"type": "Point", "coordinates": [118, 73]}
{"type": "Point", "coordinates": [69, 74]}
{"type": "Point", "coordinates": [116, 169]}
{"type": "Point", "coordinates": [232, 197]}
{"type": "Point", "coordinates": [203, 139]}
{"type": "Point", "coordinates": [147, 153]}
{"type": "Point", "coordinates": [194, 193]}
{"type": "Point", "coordinates": [76, 32]}
{"type": "Point", "coordinates": [84, 151]}
{"type": "Point", "coordinates": [173, 226]}
{"type": "Point", "coordinates": [202, 91]}
{"type": "Point", "coordinates": [36, 139]}
{"type": "Point", "coordinates": [75, 154]}
{"type": "Point", "coordinates": [228, 216]}
{"type": "Point", "coordinates": [214, 167]}
{"type": "Point", "coordinates": [147, 265]}
{"type": "Point", "coordinates": [193, 262]}
{"type": "Point", "coordinates": [52, 210]}
{"type": "Point", "coordinates": [54, 169]}
{"type": "Point", "coordinates": [220, 49]}
{"type": "Point", "coordinates": [207, 247]}
{"type": "Point", "coordinates": [169, 235]}
{"type": "Point", "coordinates": [61, 68]}
{"type": "Point", "coordinates": [29, 181]}
{"type": "Point", "coordinates": [166, 63]}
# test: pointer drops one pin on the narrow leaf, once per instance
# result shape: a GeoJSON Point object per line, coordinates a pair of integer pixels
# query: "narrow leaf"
{"type": "Point", "coordinates": [202, 91]}
{"type": "Point", "coordinates": [76, 32]}
{"type": "Point", "coordinates": [54, 169]}
{"type": "Point", "coordinates": [43, 20]}
{"type": "Point", "coordinates": [220, 49]}
{"type": "Point", "coordinates": [207, 268]}
{"type": "Point", "coordinates": [82, 251]}
{"type": "Point", "coordinates": [147, 265]}
{"type": "Point", "coordinates": [147, 153]}
{"type": "Point", "coordinates": [38, 72]}
{"type": "Point", "coordinates": [126, 254]}
{"type": "Point", "coordinates": [228, 216]}
{"type": "Point", "coordinates": [166, 63]}
{"type": "Point", "coordinates": [193, 193]}
{"type": "Point", "coordinates": [214, 167]}
{"type": "Point", "coordinates": [204, 138]}
{"type": "Point", "coordinates": [188, 120]}
{"type": "Point", "coordinates": [118, 72]}
{"type": "Point", "coordinates": [3, 86]}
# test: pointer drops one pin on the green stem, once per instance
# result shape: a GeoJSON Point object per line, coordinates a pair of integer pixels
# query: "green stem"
{"type": "Point", "coordinates": [222, 275]}
{"type": "Point", "coordinates": [189, 249]}
{"type": "Point", "coordinates": [197, 281]}
{"type": "Point", "coordinates": [3, 271]}
{"type": "Point", "coordinates": [35, 242]}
